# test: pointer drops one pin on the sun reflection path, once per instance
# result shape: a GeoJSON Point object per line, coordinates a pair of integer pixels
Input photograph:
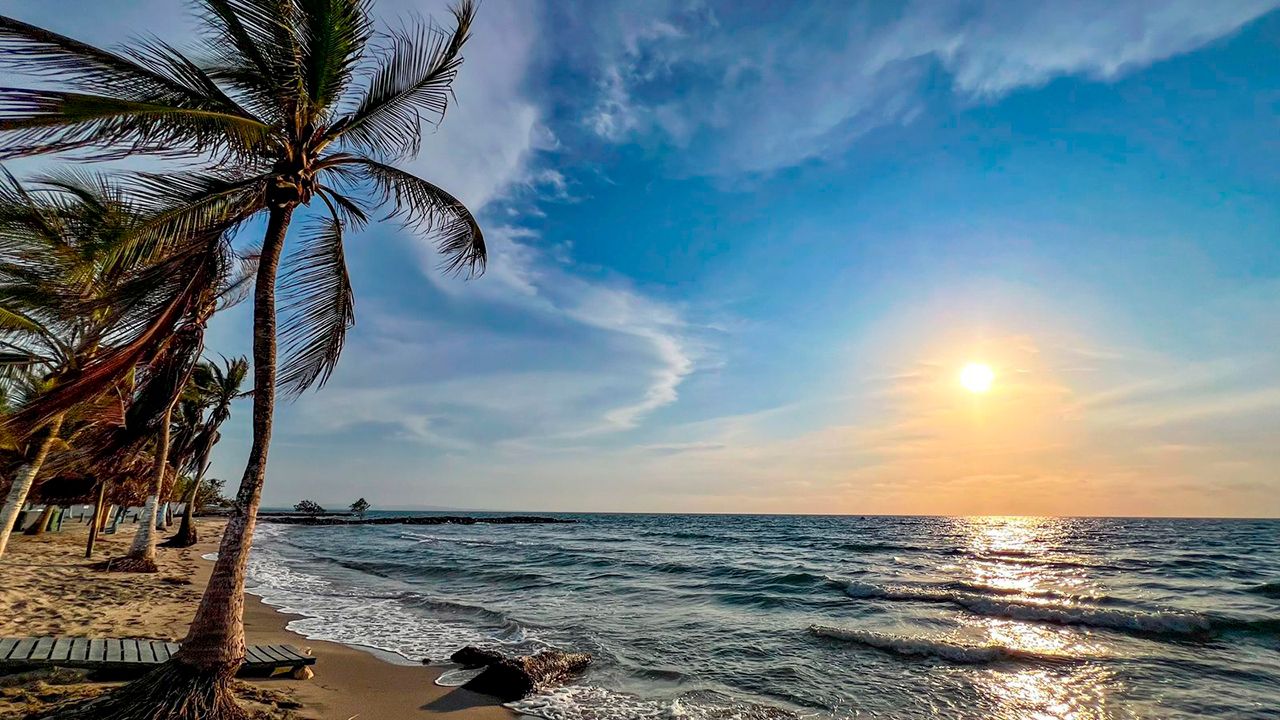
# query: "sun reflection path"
{"type": "Point", "coordinates": [1016, 557]}
{"type": "Point", "coordinates": [1048, 694]}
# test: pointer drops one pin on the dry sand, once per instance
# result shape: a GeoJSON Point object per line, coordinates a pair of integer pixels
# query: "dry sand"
{"type": "Point", "coordinates": [47, 588]}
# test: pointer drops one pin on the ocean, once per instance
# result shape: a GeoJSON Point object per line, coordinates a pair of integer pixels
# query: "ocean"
{"type": "Point", "coordinates": [761, 617]}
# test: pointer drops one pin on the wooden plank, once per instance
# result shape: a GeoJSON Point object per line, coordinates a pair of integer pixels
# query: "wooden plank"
{"type": "Point", "coordinates": [289, 652]}
{"type": "Point", "coordinates": [22, 650]}
{"type": "Point", "coordinates": [88, 652]}
{"type": "Point", "coordinates": [61, 649]}
{"type": "Point", "coordinates": [253, 657]}
{"type": "Point", "coordinates": [272, 653]}
{"type": "Point", "coordinates": [296, 655]}
{"type": "Point", "coordinates": [79, 650]}
{"type": "Point", "coordinates": [42, 649]}
{"type": "Point", "coordinates": [265, 655]}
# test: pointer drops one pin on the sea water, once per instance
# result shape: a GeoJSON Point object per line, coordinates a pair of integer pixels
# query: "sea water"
{"type": "Point", "coordinates": [761, 617]}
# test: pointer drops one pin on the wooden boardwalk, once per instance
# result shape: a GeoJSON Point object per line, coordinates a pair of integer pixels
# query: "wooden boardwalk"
{"type": "Point", "coordinates": [117, 653]}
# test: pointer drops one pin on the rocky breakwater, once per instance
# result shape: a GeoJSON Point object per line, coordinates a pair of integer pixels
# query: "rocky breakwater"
{"type": "Point", "coordinates": [292, 519]}
{"type": "Point", "coordinates": [512, 677]}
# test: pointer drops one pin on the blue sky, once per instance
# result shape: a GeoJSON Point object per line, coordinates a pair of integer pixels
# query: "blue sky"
{"type": "Point", "coordinates": [740, 251]}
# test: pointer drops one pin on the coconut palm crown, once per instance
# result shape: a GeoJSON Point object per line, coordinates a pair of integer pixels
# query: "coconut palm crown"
{"type": "Point", "coordinates": [270, 99]}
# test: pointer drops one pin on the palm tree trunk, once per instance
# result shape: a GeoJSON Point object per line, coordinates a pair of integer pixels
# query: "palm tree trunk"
{"type": "Point", "coordinates": [215, 642]}
{"type": "Point", "coordinates": [96, 523]}
{"type": "Point", "coordinates": [23, 482]}
{"type": "Point", "coordinates": [187, 534]}
{"type": "Point", "coordinates": [142, 556]}
{"type": "Point", "coordinates": [42, 523]}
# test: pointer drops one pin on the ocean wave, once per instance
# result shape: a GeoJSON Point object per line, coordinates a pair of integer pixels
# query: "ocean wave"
{"type": "Point", "coordinates": [1271, 590]}
{"type": "Point", "coordinates": [396, 569]}
{"type": "Point", "coordinates": [875, 547]}
{"type": "Point", "coordinates": [1000, 591]}
{"type": "Point", "coordinates": [936, 647]}
{"type": "Point", "coordinates": [452, 607]}
{"type": "Point", "coordinates": [680, 535]}
{"type": "Point", "coordinates": [588, 702]}
{"type": "Point", "coordinates": [1156, 622]}
{"type": "Point", "coordinates": [351, 615]}
{"type": "Point", "coordinates": [432, 539]}
{"type": "Point", "coordinates": [1041, 562]}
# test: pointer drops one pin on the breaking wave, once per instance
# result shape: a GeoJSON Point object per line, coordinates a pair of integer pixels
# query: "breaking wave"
{"type": "Point", "coordinates": [1154, 622]}
{"type": "Point", "coordinates": [936, 647]}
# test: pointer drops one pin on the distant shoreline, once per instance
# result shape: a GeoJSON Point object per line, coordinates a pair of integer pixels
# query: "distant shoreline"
{"type": "Point", "coordinates": [298, 519]}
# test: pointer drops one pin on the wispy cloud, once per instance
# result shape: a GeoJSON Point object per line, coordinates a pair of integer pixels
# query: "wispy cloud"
{"type": "Point", "coordinates": [762, 90]}
{"type": "Point", "coordinates": [530, 351]}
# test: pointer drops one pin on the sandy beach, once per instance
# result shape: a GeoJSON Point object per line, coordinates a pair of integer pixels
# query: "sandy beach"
{"type": "Point", "coordinates": [47, 588]}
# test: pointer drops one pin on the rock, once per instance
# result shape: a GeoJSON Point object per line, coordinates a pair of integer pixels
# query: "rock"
{"type": "Point", "coordinates": [474, 657]}
{"type": "Point", "coordinates": [512, 678]}
{"type": "Point", "coordinates": [302, 673]}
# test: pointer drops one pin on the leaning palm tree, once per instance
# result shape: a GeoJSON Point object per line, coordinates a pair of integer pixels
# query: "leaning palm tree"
{"type": "Point", "coordinates": [152, 410]}
{"type": "Point", "coordinates": [271, 100]}
{"type": "Point", "coordinates": [30, 460]}
{"type": "Point", "coordinates": [59, 244]}
{"type": "Point", "coordinates": [216, 387]}
{"type": "Point", "coordinates": [85, 309]}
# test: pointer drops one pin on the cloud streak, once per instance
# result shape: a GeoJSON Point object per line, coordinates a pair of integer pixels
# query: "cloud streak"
{"type": "Point", "coordinates": [763, 90]}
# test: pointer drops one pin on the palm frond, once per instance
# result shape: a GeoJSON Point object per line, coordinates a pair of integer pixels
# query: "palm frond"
{"type": "Point", "coordinates": [318, 308]}
{"type": "Point", "coordinates": [176, 209]}
{"type": "Point", "coordinates": [412, 85]}
{"type": "Point", "coordinates": [334, 34]}
{"type": "Point", "coordinates": [430, 210]}
{"type": "Point", "coordinates": [150, 89]}
{"type": "Point", "coordinates": [254, 48]}
{"type": "Point", "coordinates": [14, 320]}
{"type": "Point", "coordinates": [349, 210]}
{"type": "Point", "coordinates": [35, 51]}
{"type": "Point", "coordinates": [34, 122]}
{"type": "Point", "coordinates": [238, 282]}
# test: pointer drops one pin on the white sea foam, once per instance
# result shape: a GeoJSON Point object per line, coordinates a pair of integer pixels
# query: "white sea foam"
{"type": "Point", "coordinates": [457, 677]}
{"type": "Point", "coordinates": [587, 702]}
{"type": "Point", "coordinates": [347, 615]}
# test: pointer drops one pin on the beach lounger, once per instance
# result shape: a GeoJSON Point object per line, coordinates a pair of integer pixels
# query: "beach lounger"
{"type": "Point", "coordinates": [123, 654]}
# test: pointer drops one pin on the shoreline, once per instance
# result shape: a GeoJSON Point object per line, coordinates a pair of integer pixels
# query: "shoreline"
{"type": "Point", "coordinates": [364, 682]}
{"type": "Point", "coordinates": [49, 589]}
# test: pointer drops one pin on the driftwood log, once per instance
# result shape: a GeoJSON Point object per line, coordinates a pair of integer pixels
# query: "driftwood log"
{"type": "Point", "coordinates": [511, 678]}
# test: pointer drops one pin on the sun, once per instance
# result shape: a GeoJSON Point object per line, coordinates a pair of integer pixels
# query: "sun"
{"type": "Point", "coordinates": [977, 377]}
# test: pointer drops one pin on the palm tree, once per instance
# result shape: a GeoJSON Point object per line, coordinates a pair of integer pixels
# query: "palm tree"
{"type": "Point", "coordinates": [216, 387]}
{"type": "Point", "coordinates": [166, 380]}
{"type": "Point", "coordinates": [58, 274]}
{"type": "Point", "coordinates": [85, 309]}
{"type": "Point", "coordinates": [270, 101]}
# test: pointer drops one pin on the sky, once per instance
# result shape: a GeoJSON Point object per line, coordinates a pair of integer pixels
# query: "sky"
{"type": "Point", "coordinates": [741, 250]}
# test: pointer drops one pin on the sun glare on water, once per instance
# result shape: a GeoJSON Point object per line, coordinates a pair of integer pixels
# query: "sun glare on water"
{"type": "Point", "coordinates": [977, 377]}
